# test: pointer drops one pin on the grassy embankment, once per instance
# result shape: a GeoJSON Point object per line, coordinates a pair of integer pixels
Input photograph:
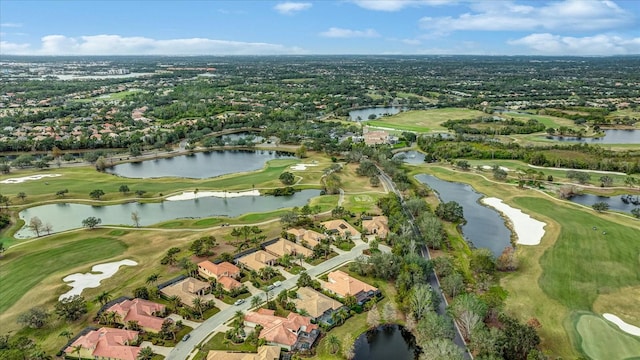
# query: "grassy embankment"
{"type": "Point", "coordinates": [572, 268]}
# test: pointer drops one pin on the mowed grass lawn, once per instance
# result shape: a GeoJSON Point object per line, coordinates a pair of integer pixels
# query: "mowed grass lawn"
{"type": "Point", "coordinates": [23, 268]}
{"type": "Point", "coordinates": [424, 120]}
{"type": "Point", "coordinates": [601, 339]}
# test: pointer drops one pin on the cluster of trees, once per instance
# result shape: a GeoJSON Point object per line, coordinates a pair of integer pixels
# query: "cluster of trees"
{"type": "Point", "coordinates": [496, 126]}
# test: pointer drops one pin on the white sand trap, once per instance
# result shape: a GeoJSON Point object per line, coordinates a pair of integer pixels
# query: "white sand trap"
{"type": "Point", "coordinates": [301, 167]}
{"type": "Point", "coordinates": [79, 282]}
{"type": "Point", "coordinates": [220, 194]}
{"type": "Point", "coordinates": [27, 178]}
{"type": "Point", "coordinates": [487, 167]}
{"type": "Point", "coordinates": [628, 328]}
{"type": "Point", "coordinates": [529, 230]}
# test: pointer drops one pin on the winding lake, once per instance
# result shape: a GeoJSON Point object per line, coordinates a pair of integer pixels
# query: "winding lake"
{"type": "Point", "coordinates": [485, 227]}
{"type": "Point", "coordinates": [199, 165]}
{"type": "Point", "coordinates": [615, 202]}
{"type": "Point", "coordinates": [384, 343]}
{"type": "Point", "coordinates": [65, 216]}
{"type": "Point", "coordinates": [363, 114]}
{"type": "Point", "coordinates": [613, 136]}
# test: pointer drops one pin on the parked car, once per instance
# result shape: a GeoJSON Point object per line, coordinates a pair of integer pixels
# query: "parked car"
{"type": "Point", "coordinates": [186, 337]}
{"type": "Point", "coordinates": [239, 302]}
{"type": "Point", "coordinates": [277, 283]}
{"type": "Point", "coordinates": [270, 287]}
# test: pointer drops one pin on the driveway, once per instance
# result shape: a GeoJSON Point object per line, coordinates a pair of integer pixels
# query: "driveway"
{"type": "Point", "coordinates": [161, 350]}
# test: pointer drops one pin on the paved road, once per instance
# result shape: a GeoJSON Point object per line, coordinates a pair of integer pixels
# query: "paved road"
{"type": "Point", "coordinates": [433, 279]}
{"type": "Point", "coordinates": [184, 348]}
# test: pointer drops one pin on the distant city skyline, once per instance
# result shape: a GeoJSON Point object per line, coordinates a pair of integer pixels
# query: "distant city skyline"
{"type": "Point", "coordinates": [376, 27]}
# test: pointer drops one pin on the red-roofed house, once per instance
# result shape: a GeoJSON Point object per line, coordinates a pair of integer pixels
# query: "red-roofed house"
{"type": "Point", "coordinates": [343, 285]}
{"type": "Point", "coordinates": [293, 332]}
{"type": "Point", "coordinates": [143, 311]}
{"type": "Point", "coordinates": [225, 273]}
{"type": "Point", "coordinates": [106, 343]}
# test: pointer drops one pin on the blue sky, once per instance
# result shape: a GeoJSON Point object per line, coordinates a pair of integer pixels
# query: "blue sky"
{"type": "Point", "coordinates": [486, 27]}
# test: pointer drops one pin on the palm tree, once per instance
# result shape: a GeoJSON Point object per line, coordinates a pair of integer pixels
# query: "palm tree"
{"type": "Point", "coordinates": [340, 316]}
{"type": "Point", "coordinates": [175, 302]}
{"type": "Point", "coordinates": [300, 257]}
{"type": "Point", "coordinates": [145, 354]}
{"type": "Point", "coordinates": [198, 305]}
{"type": "Point", "coordinates": [103, 298]}
{"type": "Point", "coordinates": [77, 349]}
{"type": "Point", "coordinates": [153, 279]}
{"type": "Point", "coordinates": [66, 333]}
{"type": "Point", "coordinates": [334, 343]}
{"type": "Point", "coordinates": [238, 319]}
{"type": "Point", "coordinates": [132, 325]}
{"type": "Point", "coordinates": [256, 301]}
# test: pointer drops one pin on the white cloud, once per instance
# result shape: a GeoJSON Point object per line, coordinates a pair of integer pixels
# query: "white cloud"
{"type": "Point", "coordinates": [601, 44]}
{"type": "Point", "coordinates": [335, 32]}
{"type": "Point", "coordinates": [567, 15]}
{"type": "Point", "coordinates": [119, 45]}
{"type": "Point", "coordinates": [11, 25]}
{"type": "Point", "coordinates": [411, 41]}
{"type": "Point", "coordinates": [395, 5]}
{"type": "Point", "coordinates": [288, 8]}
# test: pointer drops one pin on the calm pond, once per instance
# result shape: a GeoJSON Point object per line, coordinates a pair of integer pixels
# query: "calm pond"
{"type": "Point", "coordinates": [610, 137]}
{"type": "Point", "coordinates": [200, 165]}
{"type": "Point", "coordinates": [485, 227]}
{"type": "Point", "coordinates": [411, 157]}
{"type": "Point", "coordinates": [363, 114]}
{"type": "Point", "coordinates": [65, 216]}
{"type": "Point", "coordinates": [615, 202]}
{"type": "Point", "coordinates": [384, 343]}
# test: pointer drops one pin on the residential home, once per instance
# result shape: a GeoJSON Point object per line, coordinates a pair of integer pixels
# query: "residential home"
{"type": "Point", "coordinates": [341, 227]}
{"type": "Point", "coordinates": [106, 343]}
{"type": "Point", "coordinates": [375, 137]}
{"type": "Point", "coordinates": [286, 247]}
{"type": "Point", "coordinates": [187, 290]}
{"type": "Point", "coordinates": [225, 273]}
{"type": "Point", "coordinates": [143, 311]}
{"type": "Point", "coordinates": [376, 225]}
{"type": "Point", "coordinates": [319, 306]}
{"type": "Point", "coordinates": [293, 332]}
{"type": "Point", "coordinates": [343, 285]}
{"type": "Point", "coordinates": [257, 260]}
{"type": "Point", "coordinates": [308, 238]}
{"type": "Point", "coordinates": [265, 352]}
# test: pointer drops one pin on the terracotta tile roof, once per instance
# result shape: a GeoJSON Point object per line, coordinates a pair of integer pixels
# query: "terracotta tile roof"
{"type": "Point", "coordinates": [310, 236]}
{"type": "Point", "coordinates": [140, 310]}
{"type": "Point", "coordinates": [229, 283]}
{"type": "Point", "coordinates": [378, 225]}
{"type": "Point", "coordinates": [209, 269]}
{"type": "Point", "coordinates": [344, 285]}
{"type": "Point", "coordinates": [315, 303]}
{"type": "Point", "coordinates": [279, 330]}
{"type": "Point", "coordinates": [282, 247]}
{"type": "Point", "coordinates": [186, 289]}
{"type": "Point", "coordinates": [341, 227]}
{"type": "Point", "coordinates": [257, 260]}
{"type": "Point", "coordinates": [265, 352]}
{"type": "Point", "coordinates": [108, 343]}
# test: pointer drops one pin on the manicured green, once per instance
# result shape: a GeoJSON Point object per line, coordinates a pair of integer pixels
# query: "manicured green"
{"type": "Point", "coordinates": [600, 339]}
{"type": "Point", "coordinates": [23, 268]}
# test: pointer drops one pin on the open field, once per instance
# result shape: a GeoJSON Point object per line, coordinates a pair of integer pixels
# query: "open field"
{"type": "Point", "coordinates": [424, 120]}
{"type": "Point", "coordinates": [548, 121]}
{"type": "Point", "coordinates": [572, 266]}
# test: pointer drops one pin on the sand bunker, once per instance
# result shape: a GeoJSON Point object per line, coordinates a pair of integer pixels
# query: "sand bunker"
{"type": "Point", "coordinates": [628, 328]}
{"type": "Point", "coordinates": [79, 282]}
{"type": "Point", "coordinates": [220, 194]}
{"type": "Point", "coordinates": [487, 167]}
{"type": "Point", "coordinates": [529, 230]}
{"type": "Point", "coordinates": [301, 167]}
{"type": "Point", "coordinates": [27, 178]}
